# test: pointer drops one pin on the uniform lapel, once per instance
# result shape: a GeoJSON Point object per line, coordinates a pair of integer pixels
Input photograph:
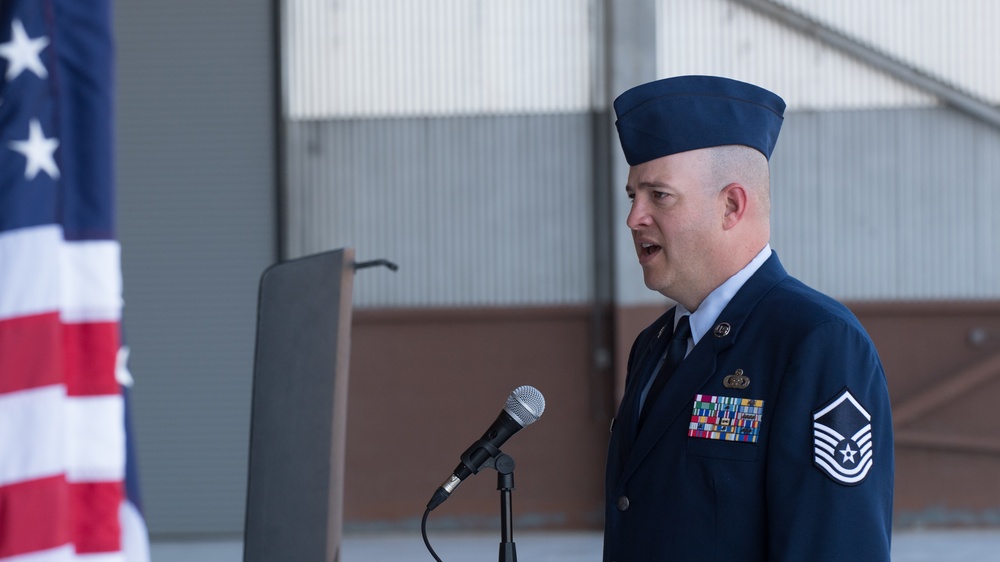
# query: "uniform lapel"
{"type": "Point", "coordinates": [699, 366]}
{"type": "Point", "coordinates": [676, 398]}
{"type": "Point", "coordinates": [628, 414]}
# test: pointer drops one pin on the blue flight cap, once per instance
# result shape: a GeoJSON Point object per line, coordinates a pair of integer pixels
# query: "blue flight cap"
{"type": "Point", "coordinates": [690, 112]}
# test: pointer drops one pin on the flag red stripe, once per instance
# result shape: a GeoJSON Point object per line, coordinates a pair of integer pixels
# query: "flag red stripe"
{"type": "Point", "coordinates": [30, 352]}
{"type": "Point", "coordinates": [34, 515]}
{"type": "Point", "coordinates": [94, 510]}
{"type": "Point", "coordinates": [90, 350]}
{"type": "Point", "coordinates": [50, 512]}
{"type": "Point", "coordinates": [38, 351]}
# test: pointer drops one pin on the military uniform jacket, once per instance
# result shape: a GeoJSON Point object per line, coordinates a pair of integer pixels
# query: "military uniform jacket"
{"type": "Point", "coordinates": [789, 458]}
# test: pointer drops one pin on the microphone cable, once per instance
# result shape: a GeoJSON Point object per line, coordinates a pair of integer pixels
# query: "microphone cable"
{"type": "Point", "coordinates": [423, 532]}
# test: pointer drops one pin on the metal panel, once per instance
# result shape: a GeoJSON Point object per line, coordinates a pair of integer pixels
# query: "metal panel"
{"type": "Point", "coordinates": [871, 200]}
{"type": "Point", "coordinates": [956, 41]}
{"type": "Point", "coordinates": [475, 210]}
{"type": "Point", "coordinates": [863, 213]}
{"type": "Point", "coordinates": [381, 58]}
{"type": "Point", "coordinates": [951, 42]}
{"type": "Point", "coordinates": [723, 38]}
{"type": "Point", "coordinates": [888, 204]}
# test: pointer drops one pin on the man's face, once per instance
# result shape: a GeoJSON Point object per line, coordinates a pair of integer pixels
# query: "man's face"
{"type": "Point", "coordinates": [675, 220]}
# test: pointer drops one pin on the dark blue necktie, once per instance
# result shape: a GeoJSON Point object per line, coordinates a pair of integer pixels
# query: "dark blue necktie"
{"type": "Point", "coordinates": [676, 349]}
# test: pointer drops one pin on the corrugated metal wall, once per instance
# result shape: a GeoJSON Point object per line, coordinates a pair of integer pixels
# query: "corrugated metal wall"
{"type": "Point", "coordinates": [391, 58]}
{"type": "Point", "coordinates": [880, 192]}
{"type": "Point", "coordinates": [409, 127]}
{"type": "Point", "coordinates": [955, 41]}
{"type": "Point", "coordinates": [451, 137]}
{"type": "Point", "coordinates": [889, 205]}
{"type": "Point", "coordinates": [475, 210]}
{"type": "Point", "coordinates": [726, 38]}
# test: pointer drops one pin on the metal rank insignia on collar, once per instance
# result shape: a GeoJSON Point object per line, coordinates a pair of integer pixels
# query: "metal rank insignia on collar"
{"type": "Point", "coordinates": [736, 380]}
{"type": "Point", "coordinates": [721, 330]}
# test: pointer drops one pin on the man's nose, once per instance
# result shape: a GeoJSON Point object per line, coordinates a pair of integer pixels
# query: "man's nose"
{"type": "Point", "coordinates": [637, 215]}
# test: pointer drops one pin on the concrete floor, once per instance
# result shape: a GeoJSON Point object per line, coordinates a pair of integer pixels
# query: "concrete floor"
{"type": "Point", "coordinates": [534, 546]}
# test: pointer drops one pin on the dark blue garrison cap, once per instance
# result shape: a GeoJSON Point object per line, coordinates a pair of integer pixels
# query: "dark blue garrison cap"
{"type": "Point", "coordinates": [690, 112]}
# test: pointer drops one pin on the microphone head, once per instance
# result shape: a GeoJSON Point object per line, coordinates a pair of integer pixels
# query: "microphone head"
{"type": "Point", "coordinates": [525, 405]}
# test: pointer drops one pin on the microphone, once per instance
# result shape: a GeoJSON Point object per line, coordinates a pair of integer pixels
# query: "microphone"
{"type": "Point", "coordinates": [524, 406]}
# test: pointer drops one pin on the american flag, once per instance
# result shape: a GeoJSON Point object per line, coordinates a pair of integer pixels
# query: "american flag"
{"type": "Point", "coordinates": [62, 411]}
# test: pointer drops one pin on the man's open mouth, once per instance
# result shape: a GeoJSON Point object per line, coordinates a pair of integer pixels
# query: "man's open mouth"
{"type": "Point", "coordinates": [648, 249]}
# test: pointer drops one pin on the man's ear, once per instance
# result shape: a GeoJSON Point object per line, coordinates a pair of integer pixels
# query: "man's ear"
{"type": "Point", "coordinates": [735, 200]}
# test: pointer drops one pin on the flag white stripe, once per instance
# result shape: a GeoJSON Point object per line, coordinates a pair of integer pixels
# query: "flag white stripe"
{"type": "Point", "coordinates": [135, 536]}
{"type": "Point", "coordinates": [40, 272]}
{"type": "Point", "coordinates": [64, 553]}
{"type": "Point", "coordinates": [96, 450]}
{"type": "Point", "coordinates": [33, 434]}
{"type": "Point", "coordinates": [94, 292]}
{"type": "Point", "coordinates": [44, 433]}
{"type": "Point", "coordinates": [29, 271]}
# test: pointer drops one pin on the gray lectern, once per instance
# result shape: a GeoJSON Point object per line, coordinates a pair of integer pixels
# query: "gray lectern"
{"type": "Point", "coordinates": [295, 489]}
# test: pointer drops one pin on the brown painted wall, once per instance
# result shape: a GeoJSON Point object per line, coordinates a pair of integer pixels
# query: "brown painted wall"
{"type": "Point", "coordinates": [425, 384]}
{"type": "Point", "coordinates": [942, 361]}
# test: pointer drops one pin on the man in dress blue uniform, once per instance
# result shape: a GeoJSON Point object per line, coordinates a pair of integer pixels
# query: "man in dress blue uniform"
{"type": "Point", "coordinates": [755, 423]}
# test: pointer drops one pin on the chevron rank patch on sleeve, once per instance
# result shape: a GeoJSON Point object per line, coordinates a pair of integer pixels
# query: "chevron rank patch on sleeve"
{"type": "Point", "coordinates": [842, 440]}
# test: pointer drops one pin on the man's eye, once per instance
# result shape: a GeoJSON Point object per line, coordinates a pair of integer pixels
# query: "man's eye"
{"type": "Point", "coordinates": [659, 195]}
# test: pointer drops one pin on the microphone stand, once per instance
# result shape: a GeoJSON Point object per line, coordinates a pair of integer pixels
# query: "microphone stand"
{"type": "Point", "coordinates": [504, 465]}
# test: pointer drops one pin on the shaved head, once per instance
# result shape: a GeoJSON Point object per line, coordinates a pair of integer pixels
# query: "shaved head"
{"type": "Point", "coordinates": [744, 165]}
